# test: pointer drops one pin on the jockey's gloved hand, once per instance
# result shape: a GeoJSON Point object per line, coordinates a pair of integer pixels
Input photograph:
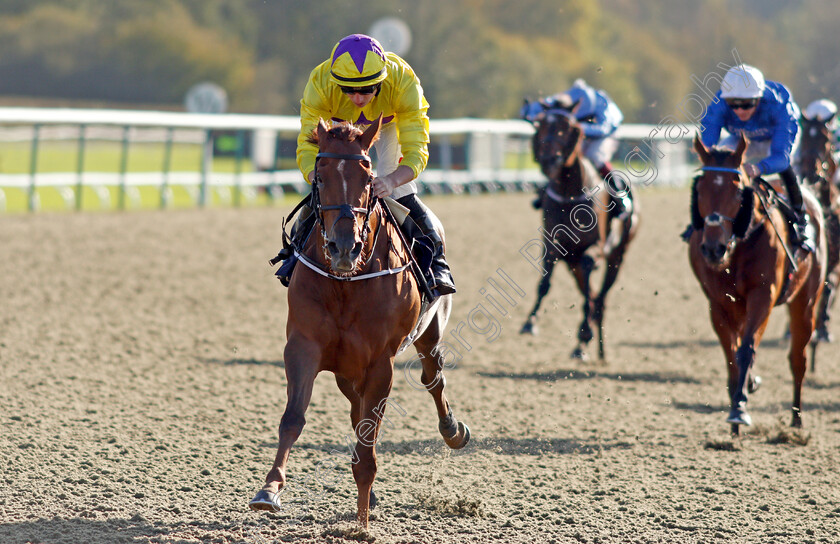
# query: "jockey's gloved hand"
{"type": "Point", "coordinates": [752, 170]}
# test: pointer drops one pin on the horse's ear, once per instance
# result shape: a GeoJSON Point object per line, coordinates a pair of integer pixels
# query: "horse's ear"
{"type": "Point", "coordinates": [701, 149]}
{"type": "Point", "coordinates": [321, 130]}
{"type": "Point", "coordinates": [371, 133]}
{"type": "Point", "coordinates": [574, 146]}
{"type": "Point", "coordinates": [575, 106]}
{"type": "Point", "coordinates": [743, 143]}
{"type": "Point", "coordinates": [831, 169]}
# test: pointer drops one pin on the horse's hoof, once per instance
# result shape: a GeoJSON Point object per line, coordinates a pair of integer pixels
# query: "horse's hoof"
{"type": "Point", "coordinates": [796, 421]}
{"type": "Point", "coordinates": [824, 335]}
{"type": "Point", "coordinates": [265, 500]}
{"type": "Point", "coordinates": [754, 384]}
{"type": "Point", "coordinates": [372, 502]}
{"type": "Point", "coordinates": [739, 416]}
{"type": "Point", "coordinates": [578, 353]}
{"type": "Point", "coordinates": [529, 328]}
{"type": "Point", "coordinates": [459, 439]}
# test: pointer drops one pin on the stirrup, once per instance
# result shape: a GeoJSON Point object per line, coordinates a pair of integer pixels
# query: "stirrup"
{"type": "Point", "coordinates": [442, 286]}
{"type": "Point", "coordinates": [803, 232]}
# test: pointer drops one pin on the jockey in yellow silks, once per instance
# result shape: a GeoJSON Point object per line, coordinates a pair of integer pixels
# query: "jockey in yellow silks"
{"type": "Point", "coordinates": [358, 83]}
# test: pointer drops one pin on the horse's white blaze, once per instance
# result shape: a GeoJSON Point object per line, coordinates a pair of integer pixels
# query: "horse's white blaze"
{"type": "Point", "coordinates": [718, 180]}
{"type": "Point", "coordinates": [340, 169]}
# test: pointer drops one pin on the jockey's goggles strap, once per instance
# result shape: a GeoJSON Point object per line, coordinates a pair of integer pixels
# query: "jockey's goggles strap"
{"type": "Point", "coordinates": [720, 169]}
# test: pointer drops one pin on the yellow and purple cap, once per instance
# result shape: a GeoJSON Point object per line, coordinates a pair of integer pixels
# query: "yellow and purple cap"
{"type": "Point", "coordinates": [358, 61]}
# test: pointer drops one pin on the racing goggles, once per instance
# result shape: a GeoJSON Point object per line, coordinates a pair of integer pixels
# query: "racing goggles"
{"type": "Point", "coordinates": [741, 104]}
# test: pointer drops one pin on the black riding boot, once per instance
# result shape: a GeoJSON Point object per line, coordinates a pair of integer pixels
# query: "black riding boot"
{"type": "Point", "coordinates": [440, 282]}
{"type": "Point", "coordinates": [800, 222]}
{"type": "Point", "coordinates": [299, 234]}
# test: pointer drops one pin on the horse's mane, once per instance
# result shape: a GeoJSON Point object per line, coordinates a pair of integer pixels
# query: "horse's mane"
{"type": "Point", "coordinates": [342, 131]}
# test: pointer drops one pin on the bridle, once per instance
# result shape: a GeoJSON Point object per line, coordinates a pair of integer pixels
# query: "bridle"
{"type": "Point", "coordinates": [344, 210]}
{"type": "Point", "coordinates": [813, 159]}
{"type": "Point", "coordinates": [545, 160]}
{"type": "Point", "coordinates": [742, 221]}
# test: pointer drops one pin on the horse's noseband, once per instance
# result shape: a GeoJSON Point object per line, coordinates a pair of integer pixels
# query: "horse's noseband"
{"type": "Point", "coordinates": [344, 210]}
{"type": "Point", "coordinates": [714, 219]}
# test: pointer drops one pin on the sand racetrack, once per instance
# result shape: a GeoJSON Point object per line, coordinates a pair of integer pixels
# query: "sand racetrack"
{"type": "Point", "coordinates": [142, 385]}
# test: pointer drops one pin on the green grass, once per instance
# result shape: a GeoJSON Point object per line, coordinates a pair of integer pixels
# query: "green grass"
{"type": "Point", "coordinates": [55, 157]}
{"type": "Point", "coordinates": [138, 198]}
{"type": "Point", "coordinates": [16, 158]}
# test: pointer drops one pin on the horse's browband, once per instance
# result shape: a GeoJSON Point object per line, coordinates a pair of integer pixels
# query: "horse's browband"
{"type": "Point", "coordinates": [720, 169]}
{"type": "Point", "coordinates": [348, 156]}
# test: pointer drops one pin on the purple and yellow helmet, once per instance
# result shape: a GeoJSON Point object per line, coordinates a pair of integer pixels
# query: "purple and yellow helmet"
{"type": "Point", "coordinates": [358, 61]}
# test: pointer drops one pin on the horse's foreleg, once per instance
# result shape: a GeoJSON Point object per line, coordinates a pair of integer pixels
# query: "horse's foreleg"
{"type": "Point", "coordinates": [759, 305]}
{"type": "Point", "coordinates": [301, 363]}
{"type": "Point", "coordinates": [530, 326]}
{"type": "Point", "coordinates": [374, 400]}
{"type": "Point", "coordinates": [582, 270]}
{"type": "Point", "coordinates": [726, 333]}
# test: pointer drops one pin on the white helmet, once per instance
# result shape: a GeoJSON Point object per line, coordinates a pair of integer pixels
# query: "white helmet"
{"type": "Point", "coordinates": [742, 81]}
{"type": "Point", "coordinates": [822, 110]}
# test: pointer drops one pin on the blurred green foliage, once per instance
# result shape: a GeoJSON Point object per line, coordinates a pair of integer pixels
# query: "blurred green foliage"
{"type": "Point", "coordinates": [475, 58]}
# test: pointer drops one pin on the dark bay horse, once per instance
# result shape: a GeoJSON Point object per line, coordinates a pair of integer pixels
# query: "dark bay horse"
{"type": "Point", "coordinates": [578, 226]}
{"type": "Point", "coordinates": [817, 168]}
{"type": "Point", "coordinates": [354, 328]}
{"type": "Point", "coordinates": [737, 253]}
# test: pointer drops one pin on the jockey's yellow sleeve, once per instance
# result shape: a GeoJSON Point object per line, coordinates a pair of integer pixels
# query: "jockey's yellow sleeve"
{"type": "Point", "coordinates": [400, 101]}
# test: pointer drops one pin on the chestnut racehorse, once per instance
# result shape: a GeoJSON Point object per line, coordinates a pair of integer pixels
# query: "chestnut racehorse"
{"type": "Point", "coordinates": [817, 168]}
{"type": "Point", "coordinates": [577, 222]}
{"type": "Point", "coordinates": [738, 252]}
{"type": "Point", "coordinates": [352, 302]}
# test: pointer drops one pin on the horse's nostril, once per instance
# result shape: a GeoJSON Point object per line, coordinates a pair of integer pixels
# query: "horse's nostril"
{"type": "Point", "coordinates": [332, 247]}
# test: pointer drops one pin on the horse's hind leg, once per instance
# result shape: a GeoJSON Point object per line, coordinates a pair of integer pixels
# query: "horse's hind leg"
{"type": "Point", "coordinates": [582, 270]}
{"type": "Point", "coordinates": [301, 363]}
{"type": "Point", "coordinates": [530, 326]}
{"type": "Point", "coordinates": [826, 301]}
{"type": "Point", "coordinates": [614, 261]}
{"type": "Point", "coordinates": [802, 320]}
{"type": "Point", "coordinates": [455, 433]}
